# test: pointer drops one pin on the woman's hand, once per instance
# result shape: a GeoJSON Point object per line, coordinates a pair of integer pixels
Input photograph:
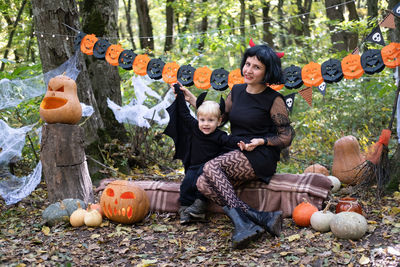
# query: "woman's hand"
{"type": "Point", "coordinates": [255, 142]}
{"type": "Point", "coordinates": [189, 97]}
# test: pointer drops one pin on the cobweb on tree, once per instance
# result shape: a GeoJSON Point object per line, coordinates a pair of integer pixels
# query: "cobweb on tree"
{"type": "Point", "coordinates": [137, 111]}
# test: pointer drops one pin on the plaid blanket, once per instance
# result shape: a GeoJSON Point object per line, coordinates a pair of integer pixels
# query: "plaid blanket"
{"type": "Point", "coordinates": [284, 192]}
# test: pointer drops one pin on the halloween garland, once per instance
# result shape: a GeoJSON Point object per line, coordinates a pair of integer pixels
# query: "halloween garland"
{"type": "Point", "coordinates": [353, 66]}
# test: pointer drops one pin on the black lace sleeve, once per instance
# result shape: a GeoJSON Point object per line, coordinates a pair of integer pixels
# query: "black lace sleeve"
{"type": "Point", "coordinates": [280, 116]}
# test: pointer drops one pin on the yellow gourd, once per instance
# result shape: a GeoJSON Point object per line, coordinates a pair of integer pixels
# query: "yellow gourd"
{"type": "Point", "coordinates": [77, 217]}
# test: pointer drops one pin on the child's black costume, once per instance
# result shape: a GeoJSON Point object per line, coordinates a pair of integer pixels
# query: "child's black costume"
{"type": "Point", "coordinates": [194, 147]}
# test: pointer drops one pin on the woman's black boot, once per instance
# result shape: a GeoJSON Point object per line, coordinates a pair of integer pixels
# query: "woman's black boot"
{"type": "Point", "coordinates": [270, 220]}
{"type": "Point", "coordinates": [245, 229]}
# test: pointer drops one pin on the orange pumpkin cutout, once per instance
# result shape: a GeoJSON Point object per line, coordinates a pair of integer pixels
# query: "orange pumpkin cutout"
{"type": "Point", "coordinates": [140, 64]}
{"type": "Point", "coordinates": [391, 55]}
{"type": "Point", "coordinates": [276, 87]}
{"type": "Point", "coordinates": [87, 44]}
{"type": "Point", "coordinates": [170, 72]}
{"type": "Point", "coordinates": [201, 78]}
{"type": "Point", "coordinates": [124, 202]}
{"type": "Point", "coordinates": [351, 67]}
{"type": "Point", "coordinates": [60, 103]}
{"type": "Point", "coordinates": [235, 77]}
{"type": "Point", "coordinates": [112, 54]}
{"type": "Point", "coordinates": [311, 74]}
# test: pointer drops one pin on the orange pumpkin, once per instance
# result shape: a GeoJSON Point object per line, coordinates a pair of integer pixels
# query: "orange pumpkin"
{"type": "Point", "coordinates": [87, 44]}
{"type": "Point", "coordinates": [317, 168]}
{"type": "Point", "coordinates": [170, 72]}
{"type": "Point", "coordinates": [60, 103]}
{"type": "Point", "coordinates": [124, 202]}
{"type": "Point", "coordinates": [351, 67]}
{"type": "Point", "coordinates": [235, 77]}
{"type": "Point", "coordinates": [391, 55]}
{"type": "Point", "coordinates": [302, 213]}
{"type": "Point", "coordinates": [201, 78]}
{"type": "Point", "coordinates": [95, 206]}
{"type": "Point", "coordinates": [276, 87]}
{"type": "Point", "coordinates": [112, 54]}
{"type": "Point", "coordinates": [311, 74]}
{"type": "Point", "coordinates": [140, 64]}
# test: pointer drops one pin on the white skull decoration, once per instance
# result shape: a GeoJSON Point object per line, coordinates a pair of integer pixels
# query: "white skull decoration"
{"type": "Point", "coordinates": [322, 86]}
{"type": "Point", "coordinates": [289, 102]}
{"type": "Point", "coordinates": [376, 37]}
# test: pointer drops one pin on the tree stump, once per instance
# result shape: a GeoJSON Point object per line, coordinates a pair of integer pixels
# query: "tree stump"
{"type": "Point", "coordinates": [64, 163]}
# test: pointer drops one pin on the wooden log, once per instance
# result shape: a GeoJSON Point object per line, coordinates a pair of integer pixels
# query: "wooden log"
{"type": "Point", "coordinates": [64, 163]}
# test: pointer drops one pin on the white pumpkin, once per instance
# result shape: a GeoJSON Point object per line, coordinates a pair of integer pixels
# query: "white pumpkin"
{"type": "Point", "coordinates": [349, 225]}
{"type": "Point", "coordinates": [335, 182]}
{"type": "Point", "coordinates": [320, 220]}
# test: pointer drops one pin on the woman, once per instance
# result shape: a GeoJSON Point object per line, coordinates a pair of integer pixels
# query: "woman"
{"type": "Point", "coordinates": [258, 112]}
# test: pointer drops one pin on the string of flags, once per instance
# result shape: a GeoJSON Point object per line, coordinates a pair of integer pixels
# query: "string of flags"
{"type": "Point", "coordinates": [353, 66]}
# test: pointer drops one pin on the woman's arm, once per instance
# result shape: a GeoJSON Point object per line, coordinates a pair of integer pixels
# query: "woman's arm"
{"type": "Point", "coordinates": [280, 117]}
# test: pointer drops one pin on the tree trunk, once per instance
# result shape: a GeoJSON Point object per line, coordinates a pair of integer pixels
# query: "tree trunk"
{"type": "Point", "coordinates": [372, 8]}
{"type": "Point", "coordinates": [338, 39]}
{"type": "Point", "coordinates": [145, 26]}
{"type": "Point", "coordinates": [169, 12]}
{"type": "Point", "coordinates": [203, 27]}
{"type": "Point", "coordinates": [352, 37]}
{"type": "Point", "coordinates": [127, 7]}
{"type": "Point", "coordinates": [48, 17]}
{"type": "Point", "coordinates": [282, 38]}
{"type": "Point", "coordinates": [10, 38]}
{"type": "Point", "coordinates": [102, 21]}
{"type": "Point", "coordinates": [242, 22]}
{"type": "Point", "coordinates": [64, 163]}
{"type": "Point", "coordinates": [267, 35]}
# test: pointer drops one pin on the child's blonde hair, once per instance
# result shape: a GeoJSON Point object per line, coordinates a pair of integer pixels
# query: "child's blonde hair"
{"type": "Point", "coordinates": [209, 108]}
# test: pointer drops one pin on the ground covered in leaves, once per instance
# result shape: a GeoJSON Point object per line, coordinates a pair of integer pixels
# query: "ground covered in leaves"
{"type": "Point", "coordinates": [160, 240]}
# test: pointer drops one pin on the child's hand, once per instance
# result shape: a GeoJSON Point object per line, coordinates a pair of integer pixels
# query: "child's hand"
{"type": "Point", "coordinates": [255, 142]}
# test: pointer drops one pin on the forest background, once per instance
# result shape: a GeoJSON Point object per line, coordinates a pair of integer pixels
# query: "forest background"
{"type": "Point", "coordinates": [34, 40]}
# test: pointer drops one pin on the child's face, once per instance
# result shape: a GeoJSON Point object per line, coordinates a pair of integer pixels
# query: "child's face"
{"type": "Point", "coordinates": [208, 123]}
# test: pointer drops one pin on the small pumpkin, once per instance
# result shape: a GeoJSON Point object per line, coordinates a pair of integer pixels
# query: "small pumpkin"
{"type": "Point", "coordinates": [347, 160]}
{"type": "Point", "coordinates": [311, 74]}
{"type": "Point", "coordinates": [77, 217]}
{"type": "Point", "coordinates": [140, 64]}
{"type": "Point", "coordinates": [71, 204]}
{"type": "Point", "coordinates": [201, 78]}
{"type": "Point", "coordinates": [96, 206]}
{"type": "Point", "coordinates": [349, 225]}
{"type": "Point", "coordinates": [317, 168]}
{"type": "Point", "coordinates": [302, 213]}
{"type": "Point", "coordinates": [170, 72]}
{"type": "Point", "coordinates": [349, 204]}
{"type": "Point", "coordinates": [112, 54]}
{"type": "Point", "coordinates": [55, 213]}
{"type": "Point", "coordinates": [235, 77]}
{"type": "Point", "coordinates": [60, 103]}
{"type": "Point", "coordinates": [391, 55]}
{"type": "Point", "coordinates": [87, 44]}
{"type": "Point", "coordinates": [351, 67]}
{"type": "Point", "coordinates": [320, 220]}
{"type": "Point", "coordinates": [336, 184]}
{"type": "Point", "coordinates": [92, 218]}
{"type": "Point", "coordinates": [124, 202]}
{"type": "Point", "coordinates": [292, 77]}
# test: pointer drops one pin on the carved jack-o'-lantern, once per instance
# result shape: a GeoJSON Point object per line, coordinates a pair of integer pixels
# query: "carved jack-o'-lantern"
{"type": "Point", "coordinates": [311, 74]}
{"type": "Point", "coordinates": [219, 79]}
{"type": "Point", "coordinates": [170, 72]}
{"type": "Point", "coordinates": [371, 61]}
{"type": "Point", "coordinates": [331, 71]}
{"type": "Point", "coordinates": [201, 78]}
{"type": "Point", "coordinates": [88, 43]}
{"type": "Point", "coordinates": [351, 67]}
{"type": "Point", "coordinates": [155, 68]}
{"type": "Point", "coordinates": [126, 59]}
{"type": "Point", "coordinates": [292, 77]}
{"type": "Point", "coordinates": [60, 103]}
{"type": "Point", "coordinates": [391, 55]}
{"type": "Point", "coordinates": [185, 75]}
{"type": "Point", "coordinates": [140, 64]}
{"type": "Point", "coordinates": [235, 77]}
{"type": "Point", "coordinates": [124, 202]}
{"type": "Point", "coordinates": [100, 48]}
{"type": "Point", "coordinates": [112, 54]}
{"type": "Point", "coordinates": [78, 40]}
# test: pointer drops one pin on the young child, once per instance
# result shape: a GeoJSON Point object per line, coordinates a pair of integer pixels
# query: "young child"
{"type": "Point", "coordinates": [205, 142]}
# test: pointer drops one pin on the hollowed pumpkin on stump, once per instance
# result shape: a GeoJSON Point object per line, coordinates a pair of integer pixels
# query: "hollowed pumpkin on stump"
{"type": "Point", "coordinates": [124, 202]}
{"type": "Point", "coordinates": [60, 103]}
{"type": "Point", "coordinates": [347, 160]}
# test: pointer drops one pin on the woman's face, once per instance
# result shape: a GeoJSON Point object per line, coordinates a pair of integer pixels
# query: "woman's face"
{"type": "Point", "coordinates": [253, 71]}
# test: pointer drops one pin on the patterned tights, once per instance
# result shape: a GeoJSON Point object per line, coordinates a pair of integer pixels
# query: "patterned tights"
{"type": "Point", "coordinates": [221, 175]}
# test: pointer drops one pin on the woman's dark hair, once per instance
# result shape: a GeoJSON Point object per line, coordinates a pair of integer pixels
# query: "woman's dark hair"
{"type": "Point", "coordinates": [272, 63]}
